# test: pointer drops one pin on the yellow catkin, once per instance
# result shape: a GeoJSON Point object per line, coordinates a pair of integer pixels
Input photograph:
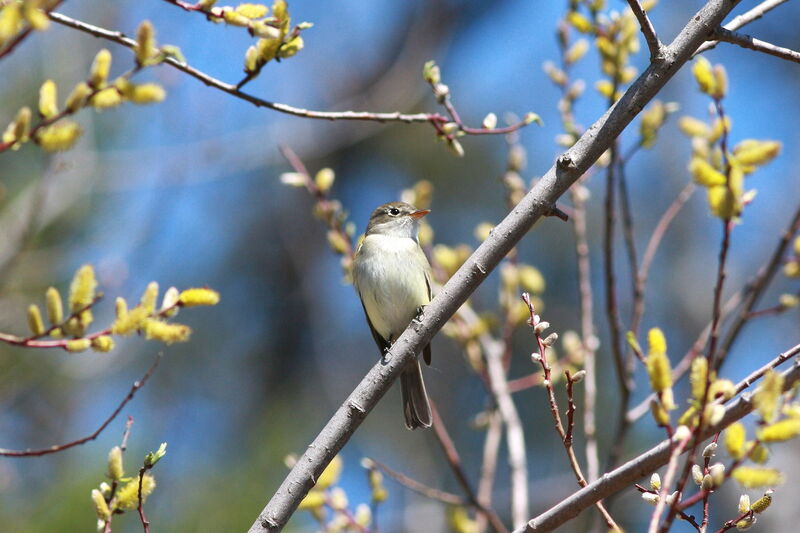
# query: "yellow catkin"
{"type": "Point", "coordinates": [331, 473]}
{"type": "Point", "coordinates": [697, 377]}
{"type": "Point", "coordinates": [128, 496]}
{"type": "Point", "coordinates": [735, 437]}
{"type": "Point", "coordinates": [103, 343]}
{"type": "Point", "coordinates": [115, 469]}
{"type": "Point", "coordinates": [149, 297]}
{"type": "Point", "coordinates": [58, 137]}
{"type": "Point", "coordinates": [48, 98]}
{"type": "Point", "coordinates": [77, 98]}
{"type": "Point", "coordinates": [313, 500]}
{"type": "Point", "coordinates": [130, 321]}
{"type": "Point", "coordinates": [100, 505]}
{"type": "Point", "coordinates": [82, 289]}
{"type": "Point", "coordinates": [106, 99]}
{"type": "Point", "coordinates": [761, 504]}
{"type": "Point", "coordinates": [252, 11]}
{"type": "Point", "coordinates": [704, 75]}
{"type": "Point", "coordinates": [766, 396]}
{"type": "Point", "coordinates": [166, 332]}
{"type": "Point", "coordinates": [658, 368]}
{"type": "Point", "coordinates": [145, 93]}
{"type": "Point", "coordinates": [100, 69]}
{"type": "Point", "coordinates": [786, 429]}
{"type": "Point", "coordinates": [145, 43]}
{"type": "Point", "coordinates": [78, 345]}
{"type": "Point", "coordinates": [753, 476]}
{"type": "Point", "coordinates": [35, 320]}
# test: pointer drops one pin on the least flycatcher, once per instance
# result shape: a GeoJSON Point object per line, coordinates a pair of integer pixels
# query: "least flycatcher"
{"type": "Point", "coordinates": [392, 277]}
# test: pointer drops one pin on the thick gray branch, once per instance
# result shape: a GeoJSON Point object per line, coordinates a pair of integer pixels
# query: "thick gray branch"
{"type": "Point", "coordinates": [746, 41]}
{"type": "Point", "coordinates": [643, 465]}
{"type": "Point", "coordinates": [537, 203]}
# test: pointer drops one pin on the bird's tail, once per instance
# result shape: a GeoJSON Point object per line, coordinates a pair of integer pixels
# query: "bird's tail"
{"type": "Point", "coordinates": [416, 408]}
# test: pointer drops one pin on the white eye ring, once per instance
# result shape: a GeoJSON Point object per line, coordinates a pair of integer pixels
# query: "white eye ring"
{"type": "Point", "coordinates": [394, 211]}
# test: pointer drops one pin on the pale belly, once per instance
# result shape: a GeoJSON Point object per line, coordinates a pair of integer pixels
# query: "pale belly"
{"type": "Point", "coordinates": [393, 287]}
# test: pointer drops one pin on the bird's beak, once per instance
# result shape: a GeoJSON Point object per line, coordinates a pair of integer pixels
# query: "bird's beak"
{"type": "Point", "coordinates": [419, 214]}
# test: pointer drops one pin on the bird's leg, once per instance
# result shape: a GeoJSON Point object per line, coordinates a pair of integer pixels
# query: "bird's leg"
{"type": "Point", "coordinates": [418, 316]}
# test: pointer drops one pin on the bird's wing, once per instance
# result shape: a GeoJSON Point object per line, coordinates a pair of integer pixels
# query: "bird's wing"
{"type": "Point", "coordinates": [382, 343]}
{"type": "Point", "coordinates": [426, 352]}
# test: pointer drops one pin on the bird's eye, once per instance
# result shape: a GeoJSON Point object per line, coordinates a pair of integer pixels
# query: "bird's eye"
{"type": "Point", "coordinates": [394, 211]}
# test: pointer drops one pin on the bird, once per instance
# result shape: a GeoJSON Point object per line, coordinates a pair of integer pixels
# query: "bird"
{"type": "Point", "coordinates": [392, 278]}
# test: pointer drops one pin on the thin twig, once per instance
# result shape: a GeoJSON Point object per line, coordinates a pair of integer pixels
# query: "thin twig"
{"type": "Point", "coordinates": [420, 488]}
{"type": "Point", "coordinates": [755, 288]}
{"type": "Point", "coordinates": [747, 41]}
{"type": "Point", "coordinates": [453, 459]}
{"type": "Point", "coordinates": [140, 503]}
{"type": "Point", "coordinates": [652, 247]}
{"type": "Point", "coordinates": [745, 18]}
{"type": "Point", "coordinates": [61, 447]}
{"type": "Point", "coordinates": [648, 30]}
{"type": "Point", "coordinates": [534, 205]}
{"type": "Point", "coordinates": [622, 369]}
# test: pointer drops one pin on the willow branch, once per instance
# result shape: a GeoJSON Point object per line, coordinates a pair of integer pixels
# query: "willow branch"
{"type": "Point", "coordinates": [747, 41]}
{"type": "Point", "coordinates": [437, 120]}
{"type": "Point", "coordinates": [61, 447]}
{"type": "Point", "coordinates": [537, 203]}
{"type": "Point", "coordinates": [643, 465]}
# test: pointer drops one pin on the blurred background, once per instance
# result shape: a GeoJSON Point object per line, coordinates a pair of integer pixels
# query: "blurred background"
{"type": "Point", "coordinates": [187, 193]}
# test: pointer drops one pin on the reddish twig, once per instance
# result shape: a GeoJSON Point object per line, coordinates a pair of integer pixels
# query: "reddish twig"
{"type": "Point", "coordinates": [140, 504]}
{"type": "Point", "coordinates": [566, 436]}
{"type": "Point", "coordinates": [61, 447]}
{"type": "Point", "coordinates": [436, 120]}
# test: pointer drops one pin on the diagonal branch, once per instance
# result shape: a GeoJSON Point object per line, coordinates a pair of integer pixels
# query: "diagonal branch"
{"type": "Point", "coordinates": [745, 18]}
{"type": "Point", "coordinates": [648, 30]}
{"type": "Point", "coordinates": [537, 203]}
{"type": "Point", "coordinates": [746, 41]}
{"type": "Point", "coordinates": [622, 477]}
